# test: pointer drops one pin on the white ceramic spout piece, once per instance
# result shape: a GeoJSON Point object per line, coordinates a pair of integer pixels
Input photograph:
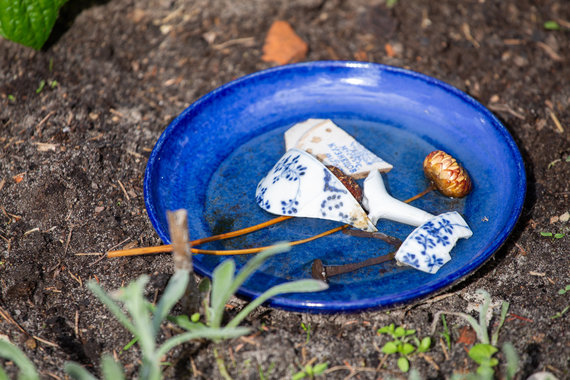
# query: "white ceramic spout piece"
{"type": "Point", "coordinates": [381, 205]}
{"type": "Point", "coordinates": [427, 248]}
{"type": "Point", "coordinates": [333, 146]}
{"type": "Point", "coordinates": [300, 185]}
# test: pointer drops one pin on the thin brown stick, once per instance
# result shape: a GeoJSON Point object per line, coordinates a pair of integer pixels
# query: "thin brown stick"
{"type": "Point", "coordinates": [168, 247]}
{"type": "Point", "coordinates": [228, 252]}
{"type": "Point", "coordinates": [417, 196]}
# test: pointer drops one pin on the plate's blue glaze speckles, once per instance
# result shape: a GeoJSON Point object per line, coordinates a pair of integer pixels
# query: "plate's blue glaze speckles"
{"type": "Point", "coordinates": [210, 159]}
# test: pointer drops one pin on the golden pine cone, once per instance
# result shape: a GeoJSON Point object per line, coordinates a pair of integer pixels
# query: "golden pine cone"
{"type": "Point", "coordinates": [448, 176]}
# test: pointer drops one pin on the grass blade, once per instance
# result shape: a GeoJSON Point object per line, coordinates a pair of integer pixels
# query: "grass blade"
{"type": "Point", "coordinates": [77, 372]}
{"type": "Point", "coordinates": [210, 333]}
{"type": "Point", "coordinates": [172, 294]}
{"type": "Point", "coordinates": [11, 352]}
{"type": "Point", "coordinates": [111, 369]}
{"type": "Point", "coordinates": [111, 305]}
{"type": "Point", "coordinates": [222, 279]}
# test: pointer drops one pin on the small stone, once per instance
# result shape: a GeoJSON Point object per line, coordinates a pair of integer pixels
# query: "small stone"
{"type": "Point", "coordinates": [31, 344]}
{"type": "Point", "coordinates": [564, 217]}
{"type": "Point", "coordinates": [283, 45]}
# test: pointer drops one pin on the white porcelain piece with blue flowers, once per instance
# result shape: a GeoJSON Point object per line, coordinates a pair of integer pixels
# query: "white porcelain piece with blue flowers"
{"type": "Point", "coordinates": [381, 205]}
{"type": "Point", "coordinates": [333, 146]}
{"type": "Point", "coordinates": [427, 248]}
{"type": "Point", "coordinates": [300, 185]}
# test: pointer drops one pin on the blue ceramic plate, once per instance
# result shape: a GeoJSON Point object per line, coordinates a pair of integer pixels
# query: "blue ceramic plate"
{"type": "Point", "coordinates": [210, 159]}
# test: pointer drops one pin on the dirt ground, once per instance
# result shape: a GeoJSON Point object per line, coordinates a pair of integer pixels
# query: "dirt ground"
{"type": "Point", "coordinates": [73, 155]}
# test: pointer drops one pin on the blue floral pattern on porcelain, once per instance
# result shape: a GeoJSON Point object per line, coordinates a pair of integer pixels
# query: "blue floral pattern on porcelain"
{"type": "Point", "coordinates": [427, 247]}
{"type": "Point", "coordinates": [300, 185]}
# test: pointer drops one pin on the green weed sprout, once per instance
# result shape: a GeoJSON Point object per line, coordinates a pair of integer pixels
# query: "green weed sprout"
{"type": "Point", "coordinates": [401, 344]}
{"type": "Point", "coordinates": [225, 284]}
{"type": "Point", "coordinates": [311, 371]}
{"type": "Point", "coordinates": [11, 352]}
{"type": "Point", "coordinates": [482, 353]}
{"type": "Point", "coordinates": [144, 323]}
{"type": "Point", "coordinates": [144, 320]}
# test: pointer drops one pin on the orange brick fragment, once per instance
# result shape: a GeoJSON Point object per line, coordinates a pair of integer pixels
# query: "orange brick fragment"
{"type": "Point", "coordinates": [467, 336]}
{"type": "Point", "coordinates": [18, 178]}
{"type": "Point", "coordinates": [283, 45]}
{"type": "Point", "coordinates": [389, 50]}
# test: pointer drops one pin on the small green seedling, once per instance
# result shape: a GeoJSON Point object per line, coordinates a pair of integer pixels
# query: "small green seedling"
{"type": "Point", "coordinates": [564, 290]}
{"type": "Point", "coordinates": [311, 371]}
{"type": "Point", "coordinates": [552, 235]}
{"type": "Point", "coordinates": [307, 329]}
{"type": "Point", "coordinates": [391, 3]}
{"type": "Point", "coordinates": [446, 334]}
{"type": "Point", "coordinates": [401, 344]}
{"type": "Point", "coordinates": [41, 86]}
{"type": "Point", "coordinates": [560, 313]}
{"type": "Point", "coordinates": [482, 352]}
{"type": "Point", "coordinates": [552, 25]}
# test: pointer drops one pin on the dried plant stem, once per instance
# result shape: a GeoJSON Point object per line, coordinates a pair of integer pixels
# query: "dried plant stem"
{"type": "Point", "coordinates": [431, 187]}
{"type": "Point", "coordinates": [228, 235]}
{"type": "Point", "coordinates": [168, 247]}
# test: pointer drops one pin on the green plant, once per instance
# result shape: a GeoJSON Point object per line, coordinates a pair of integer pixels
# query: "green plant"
{"type": "Point", "coordinates": [482, 353]}
{"type": "Point", "coordinates": [11, 352]}
{"type": "Point", "coordinates": [144, 319]}
{"type": "Point", "coordinates": [307, 329]}
{"type": "Point", "coordinates": [401, 344]}
{"type": "Point", "coordinates": [552, 25]}
{"type": "Point", "coordinates": [391, 3]}
{"type": "Point", "coordinates": [310, 371]}
{"type": "Point", "coordinates": [564, 290]}
{"type": "Point", "coordinates": [446, 334]}
{"type": "Point", "coordinates": [224, 285]}
{"type": "Point", "coordinates": [28, 22]}
{"type": "Point", "coordinates": [552, 235]}
{"type": "Point", "coordinates": [560, 313]}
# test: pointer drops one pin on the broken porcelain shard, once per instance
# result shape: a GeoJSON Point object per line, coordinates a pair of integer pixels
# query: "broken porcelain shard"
{"type": "Point", "coordinates": [300, 185]}
{"type": "Point", "coordinates": [381, 205]}
{"type": "Point", "coordinates": [427, 248]}
{"type": "Point", "coordinates": [333, 146]}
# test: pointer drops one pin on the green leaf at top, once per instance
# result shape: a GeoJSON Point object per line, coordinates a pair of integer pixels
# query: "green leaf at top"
{"type": "Point", "coordinates": [403, 364]}
{"type": "Point", "coordinates": [28, 22]}
{"type": "Point", "coordinates": [552, 25]}
{"type": "Point", "coordinates": [425, 344]}
{"type": "Point", "coordinates": [482, 353]}
{"type": "Point", "coordinates": [407, 349]}
{"type": "Point", "coordinates": [390, 348]}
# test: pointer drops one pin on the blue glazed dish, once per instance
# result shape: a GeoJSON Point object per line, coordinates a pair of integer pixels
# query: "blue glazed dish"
{"type": "Point", "coordinates": [210, 159]}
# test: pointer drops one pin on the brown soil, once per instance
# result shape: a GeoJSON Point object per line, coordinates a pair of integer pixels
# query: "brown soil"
{"type": "Point", "coordinates": [73, 155]}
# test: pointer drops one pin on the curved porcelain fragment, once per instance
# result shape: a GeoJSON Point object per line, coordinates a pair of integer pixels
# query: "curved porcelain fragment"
{"type": "Point", "coordinates": [333, 146]}
{"type": "Point", "coordinates": [427, 247]}
{"type": "Point", "coordinates": [381, 205]}
{"type": "Point", "coordinates": [300, 185]}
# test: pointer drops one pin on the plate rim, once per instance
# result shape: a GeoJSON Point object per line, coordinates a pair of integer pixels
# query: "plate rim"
{"type": "Point", "coordinates": [373, 302]}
